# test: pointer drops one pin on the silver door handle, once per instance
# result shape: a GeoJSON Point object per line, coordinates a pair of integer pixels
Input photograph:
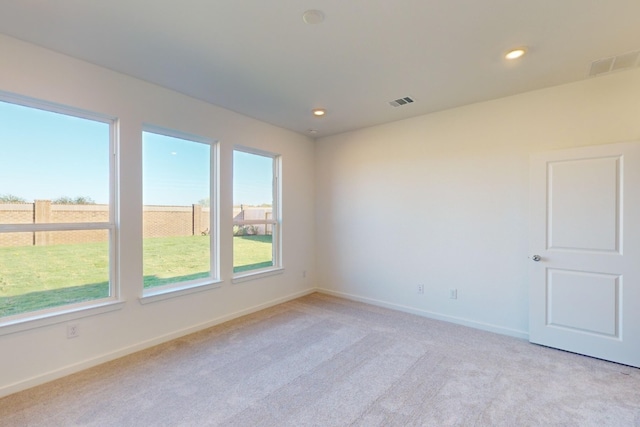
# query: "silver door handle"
{"type": "Point", "coordinates": [536, 258]}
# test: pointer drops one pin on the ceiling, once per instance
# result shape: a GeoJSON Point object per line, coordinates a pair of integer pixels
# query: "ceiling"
{"type": "Point", "coordinates": [259, 58]}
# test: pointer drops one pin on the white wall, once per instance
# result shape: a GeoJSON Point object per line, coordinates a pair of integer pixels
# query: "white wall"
{"type": "Point", "coordinates": [31, 357]}
{"type": "Point", "coordinates": [442, 199]}
{"type": "Point", "coordinates": [439, 200]}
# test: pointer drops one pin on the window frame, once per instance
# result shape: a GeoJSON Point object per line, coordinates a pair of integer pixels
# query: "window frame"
{"type": "Point", "coordinates": [275, 221]}
{"type": "Point", "coordinates": [212, 281]}
{"type": "Point", "coordinates": [66, 312]}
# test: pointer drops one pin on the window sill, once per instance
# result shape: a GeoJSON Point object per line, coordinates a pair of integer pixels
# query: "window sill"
{"type": "Point", "coordinates": [164, 293]}
{"type": "Point", "coordinates": [258, 274]}
{"type": "Point", "coordinates": [60, 315]}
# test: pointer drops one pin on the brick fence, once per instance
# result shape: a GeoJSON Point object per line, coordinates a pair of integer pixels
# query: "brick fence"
{"type": "Point", "coordinates": [159, 221]}
{"type": "Point", "coordinates": [165, 221]}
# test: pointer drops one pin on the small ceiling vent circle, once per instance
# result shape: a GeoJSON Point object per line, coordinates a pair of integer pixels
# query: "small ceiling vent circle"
{"type": "Point", "coordinates": [312, 17]}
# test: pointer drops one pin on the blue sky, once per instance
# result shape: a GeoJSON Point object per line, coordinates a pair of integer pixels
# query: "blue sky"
{"type": "Point", "coordinates": [46, 155]}
{"type": "Point", "coordinates": [175, 171]}
{"type": "Point", "coordinates": [252, 179]}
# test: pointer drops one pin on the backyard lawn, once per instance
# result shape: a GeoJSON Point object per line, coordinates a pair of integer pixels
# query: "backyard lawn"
{"type": "Point", "coordinates": [38, 277]}
{"type": "Point", "coordinates": [251, 252]}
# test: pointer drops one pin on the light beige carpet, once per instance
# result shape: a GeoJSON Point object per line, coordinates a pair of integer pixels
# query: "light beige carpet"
{"type": "Point", "coordinates": [324, 361]}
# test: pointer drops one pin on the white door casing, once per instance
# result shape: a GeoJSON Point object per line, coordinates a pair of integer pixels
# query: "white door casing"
{"type": "Point", "coordinates": [585, 227]}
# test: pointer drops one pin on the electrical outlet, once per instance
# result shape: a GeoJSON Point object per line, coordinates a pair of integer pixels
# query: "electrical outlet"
{"type": "Point", "coordinates": [73, 330]}
{"type": "Point", "coordinates": [453, 293]}
{"type": "Point", "coordinates": [421, 289]}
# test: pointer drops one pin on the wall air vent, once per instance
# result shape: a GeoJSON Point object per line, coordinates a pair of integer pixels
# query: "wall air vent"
{"type": "Point", "coordinates": [614, 63]}
{"type": "Point", "coordinates": [401, 101]}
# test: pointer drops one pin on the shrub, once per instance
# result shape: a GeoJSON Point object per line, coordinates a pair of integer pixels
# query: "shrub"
{"type": "Point", "coordinates": [80, 200]}
{"type": "Point", "coordinates": [10, 198]}
{"type": "Point", "coordinates": [245, 230]}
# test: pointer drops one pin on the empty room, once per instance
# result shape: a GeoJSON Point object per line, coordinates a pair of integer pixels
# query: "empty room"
{"type": "Point", "coordinates": [335, 213]}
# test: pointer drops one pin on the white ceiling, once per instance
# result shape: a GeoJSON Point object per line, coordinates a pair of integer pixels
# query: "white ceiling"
{"type": "Point", "coordinates": [259, 58]}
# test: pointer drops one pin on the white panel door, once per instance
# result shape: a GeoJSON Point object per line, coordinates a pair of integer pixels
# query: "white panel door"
{"type": "Point", "coordinates": [585, 251]}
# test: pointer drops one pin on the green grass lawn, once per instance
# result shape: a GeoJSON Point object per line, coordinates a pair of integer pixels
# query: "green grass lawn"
{"type": "Point", "coordinates": [251, 252]}
{"type": "Point", "coordinates": [175, 259]}
{"type": "Point", "coordinates": [38, 277]}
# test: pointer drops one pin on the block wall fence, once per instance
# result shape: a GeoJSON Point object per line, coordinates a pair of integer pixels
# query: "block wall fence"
{"type": "Point", "coordinates": [159, 221]}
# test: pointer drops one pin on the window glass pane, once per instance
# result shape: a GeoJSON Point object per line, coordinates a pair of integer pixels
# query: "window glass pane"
{"type": "Point", "coordinates": [252, 180]}
{"type": "Point", "coordinates": [54, 169]}
{"type": "Point", "coordinates": [58, 161]}
{"type": "Point", "coordinates": [170, 260]}
{"type": "Point", "coordinates": [251, 252]}
{"type": "Point", "coordinates": [176, 215]}
{"type": "Point", "coordinates": [253, 221]}
{"type": "Point", "coordinates": [40, 270]}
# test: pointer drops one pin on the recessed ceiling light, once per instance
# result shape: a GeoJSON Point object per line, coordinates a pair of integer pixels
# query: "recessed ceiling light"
{"type": "Point", "coordinates": [515, 53]}
{"type": "Point", "coordinates": [313, 17]}
{"type": "Point", "coordinates": [319, 112]}
{"type": "Point", "coordinates": [312, 131]}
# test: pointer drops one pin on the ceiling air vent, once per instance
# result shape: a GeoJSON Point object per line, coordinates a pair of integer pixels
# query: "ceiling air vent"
{"type": "Point", "coordinates": [614, 63]}
{"type": "Point", "coordinates": [401, 101]}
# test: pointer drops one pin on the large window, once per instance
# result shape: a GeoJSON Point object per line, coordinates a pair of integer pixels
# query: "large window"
{"type": "Point", "coordinates": [179, 224]}
{"type": "Point", "coordinates": [256, 214]}
{"type": "Point", "coordinates": [57, 226]}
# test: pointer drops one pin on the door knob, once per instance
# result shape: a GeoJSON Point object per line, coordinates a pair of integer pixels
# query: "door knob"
{"type": "Point", "coordinates": [536, 258]}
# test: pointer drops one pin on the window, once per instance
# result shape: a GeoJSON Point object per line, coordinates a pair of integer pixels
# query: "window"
{"type": "Point", "coordinates": [179, 211]}
{"type": "Point", "coordinates": [57, 226]}
{"type": "Point", "coordinates": [256, 214]}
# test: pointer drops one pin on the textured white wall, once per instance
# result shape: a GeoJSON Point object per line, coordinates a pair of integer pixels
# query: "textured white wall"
{"type": "Point", "coordinates": [30, 357]}
{"type": "Point", "coordinates": [442, 199]}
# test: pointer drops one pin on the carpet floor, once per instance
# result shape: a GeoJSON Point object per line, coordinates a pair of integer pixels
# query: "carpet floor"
{"type": "Point", "coordinates": [326, 361]}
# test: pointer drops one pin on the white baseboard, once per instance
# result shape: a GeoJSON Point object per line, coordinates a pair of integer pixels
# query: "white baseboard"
{"type": "Point", "coordinates": [86, 364]}
{"type": "Point", "coordinates": [431, 315]}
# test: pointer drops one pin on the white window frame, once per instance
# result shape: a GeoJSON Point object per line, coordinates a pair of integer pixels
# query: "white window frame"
{"type": "Point", "coordinates": [212, 281]}
{"type": "Point", "coordinates": [275, 221]}
{"type": "Point", "coordinates": [63, 313]}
